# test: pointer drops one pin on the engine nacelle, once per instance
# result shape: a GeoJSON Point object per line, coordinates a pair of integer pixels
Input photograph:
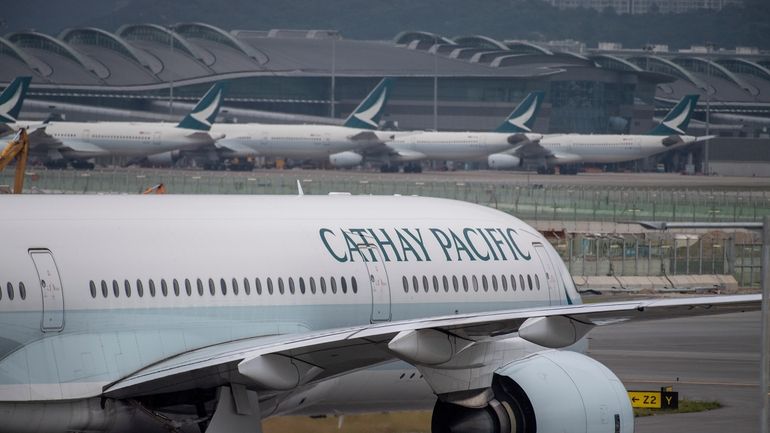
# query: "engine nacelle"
{"type": "Point", "coordinates": [165, 158]}
{"type": "Point", "coordinates": [564, 391]}
{"type": "Point", "coordinates": [345, 159]}
{"type": "Point", "coordinates": [503, 161]}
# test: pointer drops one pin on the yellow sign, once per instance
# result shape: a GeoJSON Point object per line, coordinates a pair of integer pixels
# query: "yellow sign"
{"type": "Point", "coordinates": [645, 399]}
{"type": "Point", "coordinates": [654, 399]}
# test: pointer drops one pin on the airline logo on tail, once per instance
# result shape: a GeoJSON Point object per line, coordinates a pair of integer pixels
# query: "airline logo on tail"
{"type": "Point", "coordinates": [12, 98]}
{"type": "Point", "coordinates": [522, 118]}
{"type": "Point", "coordinates": [676, 121]}
{"type": "Point", "coordinates": [203, 115]}
{"type": "Point", "coordinates": [368, 113]}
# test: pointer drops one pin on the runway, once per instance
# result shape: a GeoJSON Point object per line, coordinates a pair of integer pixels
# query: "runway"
{"type": "Point", "coordinates": [703, 358]}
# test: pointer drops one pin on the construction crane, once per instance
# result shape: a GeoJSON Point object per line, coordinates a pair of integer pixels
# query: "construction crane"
{"type": "Point", "coordinates": [17, 149]}
{"type": "Point", "coordinates": [155, 189]}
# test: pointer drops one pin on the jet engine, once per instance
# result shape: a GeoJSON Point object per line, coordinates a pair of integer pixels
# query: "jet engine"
{"type": "Point", "coordinates": [503, 160]}
{"type": "Point", "coordinates": [345, 159]}
{"type": "Point", "coordinates": [549, 391]}
{"type": "Point", "coordinates": [165, 158]}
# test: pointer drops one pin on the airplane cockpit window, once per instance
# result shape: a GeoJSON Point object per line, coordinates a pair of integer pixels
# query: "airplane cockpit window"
{"type": "Point", "coordinates": [91, 285]}
{"type": "Point", "coordinates": [235, 287]}
{"type": "Point", "coordinates": [139, 288]}
{"type": "Point", "coordinates": [22, 291]}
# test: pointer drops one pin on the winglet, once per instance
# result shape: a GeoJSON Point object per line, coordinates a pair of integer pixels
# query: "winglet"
{"type": "Point", "coordinates": [205, 112]}
{"type": "Point", "coordinates": [676, 121]}
{"type": "Point", "coordinates": [522, 118]}
{"type": "Point", "coordinates": [12, 98]}
{"type": "Point", "coordinates": [368, 113]}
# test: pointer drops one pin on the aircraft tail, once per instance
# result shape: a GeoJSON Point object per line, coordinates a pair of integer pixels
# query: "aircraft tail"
{"type": "Point", "coordinates": [369, 112]}
{"type": "Point", "coordinates": [12, 98]}
{"type": "Point", "coordinates": [522, 118]}
{"type": "Point", "coordinates": [205, 112]}
{"type": "Point", "coordinates": [676, 121]}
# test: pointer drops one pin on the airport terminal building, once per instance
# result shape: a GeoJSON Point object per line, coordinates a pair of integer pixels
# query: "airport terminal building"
{"type": "Point", "coordinates": [151, 72]}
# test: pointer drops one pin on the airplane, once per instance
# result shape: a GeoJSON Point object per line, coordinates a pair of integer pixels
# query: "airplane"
{"type": "Point", "coordinates": [160, 313]}
{"type": "Point", "coordinates": [12, 98]}
{"type": "Point", "coordinates": [567, 150]}
{"type": "Point", "coordinates": [58, 143]}
{"type": "Point", "coordinates": [314, 142]}
{"type": "Point", "coordinates": [514, 133]}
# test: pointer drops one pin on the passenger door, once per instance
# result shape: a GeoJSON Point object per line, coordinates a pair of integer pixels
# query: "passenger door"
{"type": "Point", "coordinates": [51, 289]}
{"type": "Point", "coordinates": [378, 281]}
{"type": "Point", "coordinates": [550, 274]}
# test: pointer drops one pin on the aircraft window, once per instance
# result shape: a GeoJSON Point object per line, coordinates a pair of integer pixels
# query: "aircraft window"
{"type": "Point", "coordinates": [188, 286]}
{"type": "Point", "coordinates": [475, 283]}
{"type": "Point", "coordinates": [115, 288]}
{"type": "Point", "coordinates": [212, 287]}
{"type": "Point", "coordinates": [223, 286]}
{"type": "Point", "coordinates": [333, 284]}
{"type": "Point", "coordinates": [259, 286]}
{"type": "Point", "coordinates": [343, 285]}
{"type": "Point", "coordinates": [354, 284]}
{"type": "Point", "coordinates": [484, 283]}
{"type": "Point", "coordinates": [235, 287]}
{"type": "Point", "coordinates": [127, 288]}
{"type": "Point", "coordinates": [537, 282]}
{"type": "Point", "coordinates": [139, 288]}
{"type": "Point", "coordinates": [152, 288]}
{"type": "Point", "coordinates": [91, 285]}
{"type": "Point", "coordinates": [246, 286]}
{"type": "Point", "coordinates": [9, 286]}
{"type": "Point", "coordinates": [494, 282]}
{"type": "Point", "coordinates": [529, 280]}
{"type": "Point", "coordinates": [323, 285]}
{"type": "Point", "coordinates": [280, 285]}
{"type": "Point", "coordinates": [405, 283]}
{"type": "Point", "coordinates": [312, 285]}
{"type": "Point", "coordinates": [22, 291]}
{"type": "Point", "coordinates": [445, 282]}
{"type": "Point", "coordinates": [415, 284]}
{"type": "Point", "coordinates": [425, 283]}
{"type": "Point", "coordinates": [465, 283]}
{"type": "Point", "coordinates": [176, 287]}
{"type": "Point", "coordinates": [163, 287]}
{"type": "Point", "coordinates": [302, 285]}
{"type": "Point", "coordinates": [269, 286]}
{"type": "Point", "coordinates": [521, 282]}
{"type": "Point", "coordinates": [199, 283]}
{"type": "Point", "coordinates": [291, 285]}
{"type": "Point", "coordinates": [455, 284]}
{"type": "Point", "coordinates": [435, 284]}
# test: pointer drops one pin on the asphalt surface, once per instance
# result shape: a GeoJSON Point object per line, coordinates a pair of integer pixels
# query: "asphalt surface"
{"type": "Point", "coordinates": [703, 358]}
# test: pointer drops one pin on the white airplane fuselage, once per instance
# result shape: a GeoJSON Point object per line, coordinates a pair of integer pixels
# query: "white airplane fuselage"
{"type": "Point", "coordinates": [601, 148]}
{"type": "Point", "coordinates": [182, 272]}
{"type": "Point", "coordinates": [457, 146]}
{"type": "Point", "coordinates": [289, 141]}
{"type": "Point", "coordinates": [131, 139]}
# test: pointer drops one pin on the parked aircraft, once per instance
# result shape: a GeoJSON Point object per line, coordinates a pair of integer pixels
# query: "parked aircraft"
{"type": "Point", "coordinates": [566, 150]}
{"type": "Point", "coordinates": [514, 132]}
{"type": "Point", "coordinates": [211, 313]}
{"type": "Point", "coordinates": [58, 143]}
{"type": "Point", "coordinates": [313, 142]}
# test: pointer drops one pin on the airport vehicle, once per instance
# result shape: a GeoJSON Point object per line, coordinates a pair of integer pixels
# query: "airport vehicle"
{"type": "Point", "coordinates": [312, 142]}
{"type": "Point", "coordinates": [59, 143]}
{"type": "Point", "coordinates": [160, 313]}
{"type": "Point", "coordinates": [567, 150]}
{"type": "Point", "coordinates": [514, 133]}
{"type": "Point", "coordinates": [17, 149]}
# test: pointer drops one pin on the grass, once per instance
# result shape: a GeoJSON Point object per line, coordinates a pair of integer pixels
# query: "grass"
{"type": "Point", "coordinates": [685, 406]}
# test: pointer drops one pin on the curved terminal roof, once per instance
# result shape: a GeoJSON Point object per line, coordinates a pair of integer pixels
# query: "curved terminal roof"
{"type": "Point", "coordinates": [111, 41]}
{"type": "Point", "coordinates": [162, 35]}
{"type": "Point", "coordinates": [665, 66]}
{"type": "Point", "coordinates": [34, 41]}
{"type": "Point", "coordinates": [407, 37]}
{"type": "Point", "coordinates": [215, 34]}
{"type": "Point", "coordinates": [703, 66]}
{"type": "Point", "coordinates": [744, 66]}
{"type": "Point", "coordinates": [8, 48]}
{"type": "Point", "coordinates": [615, 63]}
{"type": "Point", "coordinates": [526, 47]}
{"type": "Point", "coordinates": [480, 41]}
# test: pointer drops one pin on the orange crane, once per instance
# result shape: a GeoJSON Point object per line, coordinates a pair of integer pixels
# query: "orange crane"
{"type": "Point", "coordinates": [17, 149]}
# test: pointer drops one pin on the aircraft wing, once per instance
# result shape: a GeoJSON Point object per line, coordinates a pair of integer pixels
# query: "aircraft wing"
{"type": "Point", "coordinates": [235, 146]}
{"type": "Point", "coordinates": [529, 149]}
{"type": "Point", "coordinates": [282, 362]}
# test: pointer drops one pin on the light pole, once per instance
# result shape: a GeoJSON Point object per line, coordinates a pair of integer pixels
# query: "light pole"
{"type": "Point", "coordinates": [435, 82]}
{"type": "Point", "coordinates": [334, 71]}
{"type": "Point", "coordinates": [709, 47]}
{"type": "Point", "coordinates": [170, 72]}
